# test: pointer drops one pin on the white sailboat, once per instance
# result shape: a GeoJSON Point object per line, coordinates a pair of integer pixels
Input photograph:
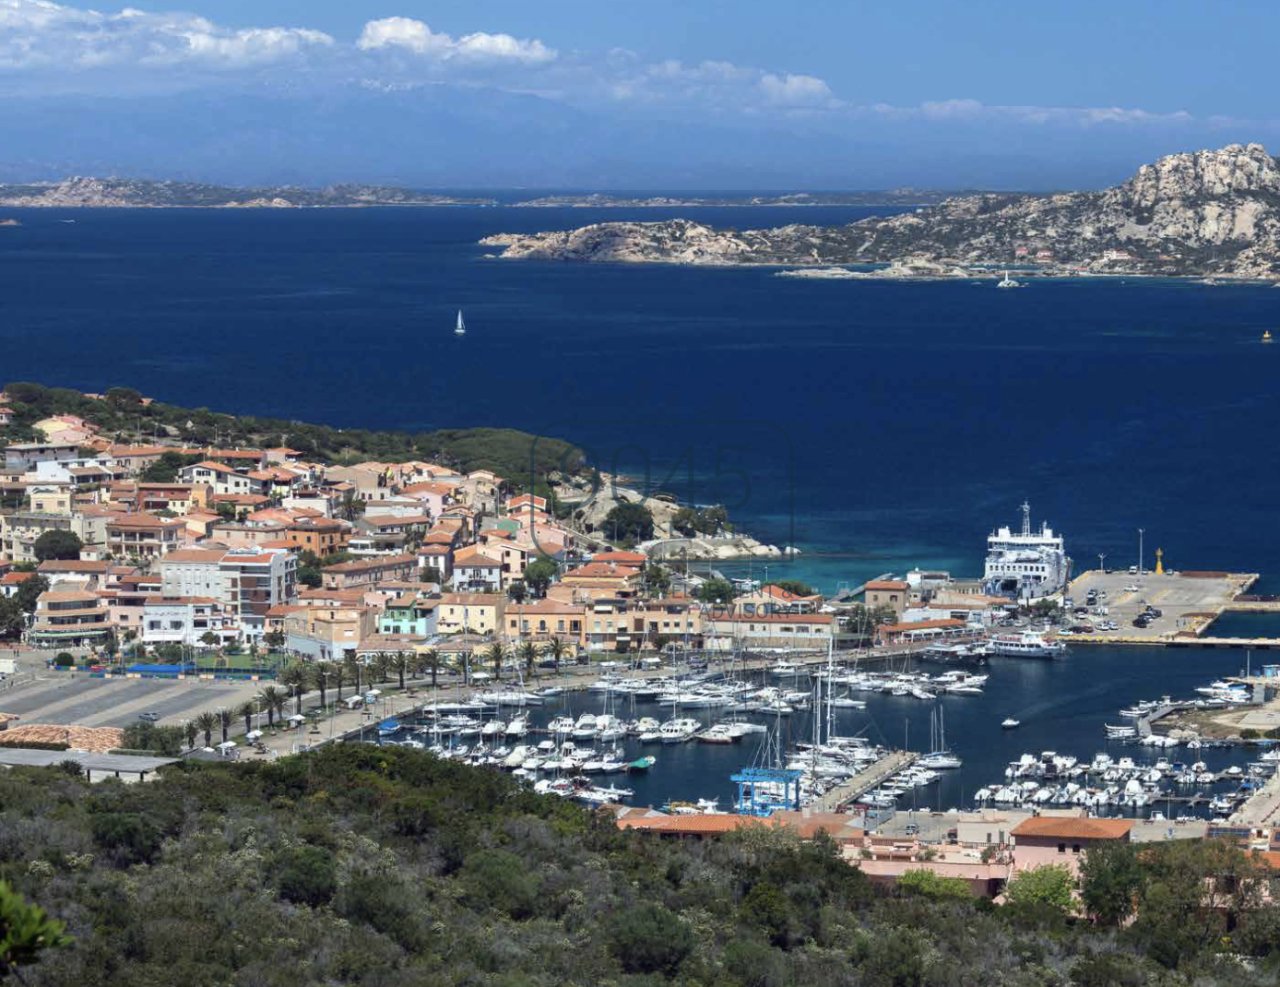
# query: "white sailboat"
{"type": "Point", "coordinates": [461, 328]}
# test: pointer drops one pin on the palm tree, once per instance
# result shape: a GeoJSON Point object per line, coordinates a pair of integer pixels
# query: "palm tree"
{"type": "Point", "coordinates": [206, 723]}
{"type": "Point", "coordinates": [382, 666]}
{"type": "Point", "coordinates": [294, 678]}
{"type": "Point", "coordinates": [272, 700]}
{"type": "Point", "coordinates": [354, 669]}
{"type": "Point", "coordinates": [192, 731]}
{"type": "Point", "coordinates": [556, 649]}
{"type": "Point", "coordinates": [339, 678]}
{"type": "Point", "coordinates": [400, 662]}
{"type": "Point", "coordinates": [496, 653]}
{"type": "Point", "coordinates": [431, 660]}
{"type": "Point", "coordinates": [528, 653]}
{"type": "Point", "coordinates": [248, 710]}
{"type": "Point", "coordinates": [225, 717]}
{"type": "Point", "coordinates": [322, 674]}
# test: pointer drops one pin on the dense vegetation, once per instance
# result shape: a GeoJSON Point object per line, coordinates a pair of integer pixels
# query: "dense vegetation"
{"type": "Point", "coordinates": [517, 456]}
{"type": "Point", "coordinates": [359, 865]}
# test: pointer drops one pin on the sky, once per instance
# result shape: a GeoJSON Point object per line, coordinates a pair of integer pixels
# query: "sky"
{"type": "Point", "coordinates": [659, 94]}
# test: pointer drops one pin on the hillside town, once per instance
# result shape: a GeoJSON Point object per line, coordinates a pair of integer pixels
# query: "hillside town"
{"type": "Point", "coordinates": [265, 550]}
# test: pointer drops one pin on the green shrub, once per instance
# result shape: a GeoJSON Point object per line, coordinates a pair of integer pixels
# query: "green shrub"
{"type": "Point", "coordinates": [649, 939]}
{"type": "Point", "coordinates": [64, 659]}
{"type": "Point", "coordinates": [498, 880]}
{"type": "Point", "coordinates": [306, 875]}
{"type": "Point", "coordinates": [131, 837]}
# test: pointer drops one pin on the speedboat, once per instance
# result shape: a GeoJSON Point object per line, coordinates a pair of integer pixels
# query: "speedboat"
{"type": "Point", "coordinates": [1009, 723]}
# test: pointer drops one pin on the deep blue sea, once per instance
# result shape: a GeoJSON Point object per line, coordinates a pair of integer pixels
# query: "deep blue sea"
{"type": "Point", "coordinates": [877, 426]}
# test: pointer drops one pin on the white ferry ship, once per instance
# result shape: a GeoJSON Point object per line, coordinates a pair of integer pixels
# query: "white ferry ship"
{"type": "Point", "coordinates": [1028, 644]}
{"type": "Point", "coordinates": [1026, 565]}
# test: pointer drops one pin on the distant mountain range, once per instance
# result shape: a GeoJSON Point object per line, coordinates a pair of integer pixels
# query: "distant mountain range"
{"type": "Point", "coordinates": [126, 192]}
{"type": "Point", "coordinates": [141, 193]}
{"type": "Point", "coordinates": [1203, 213]}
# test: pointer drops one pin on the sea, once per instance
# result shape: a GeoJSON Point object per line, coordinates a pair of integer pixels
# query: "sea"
{"type": "Point", "coordinates": [875, 426]}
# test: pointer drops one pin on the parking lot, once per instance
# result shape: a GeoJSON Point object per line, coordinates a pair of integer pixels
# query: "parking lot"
{"type": "Point", "coordinates": [1188, 602]}
{"type": "Point", "coordinates": [65, 699]}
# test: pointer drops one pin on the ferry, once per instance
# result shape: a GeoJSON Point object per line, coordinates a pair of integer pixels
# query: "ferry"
{"type": "Point", "coordinates": [1026, 565]}
{"type": "Point", "coordinates": [1028, 644]}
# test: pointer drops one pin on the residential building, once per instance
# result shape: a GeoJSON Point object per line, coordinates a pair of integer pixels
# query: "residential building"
{"type": "Point", "coordinates": [222, 478]}
{"type": "Point", "coordinates": [69, 618]}
{"type": "Point", "coordinates": [25, 455]}
{"type": "Point", "coordinates": [477, 571]}
{"type": "Point", "coordinates": [370, 572]}
{"type": "Point", "coordinates": [319, 535]}
{"type": "Point", "coordinates": [143, 536]}
{"type": "Point", "coordinates": [329, 633]}
{"type": "Point", "coordinates": [806, 632]}
{"type": "Point", "coordinates": [1062, 839]}
{"type": "Point", "coordinates": [544, 619]}
{"type": "Point", "coordinates": [186, 620]}
{"type": "Point", "coordinates": [891, 593]}
{"type": "Point", "coordinates": [410, 614]}
{"type": "Point", "coordinates": [774, 599]}
{"type": "Point", "coordinates": [474, 613]}
{"type": "Point", "coordinates": [246, 582]}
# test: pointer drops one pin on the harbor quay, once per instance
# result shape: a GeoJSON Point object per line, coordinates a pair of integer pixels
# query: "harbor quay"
{"type": "Point", "coordinates": [1189, 603]}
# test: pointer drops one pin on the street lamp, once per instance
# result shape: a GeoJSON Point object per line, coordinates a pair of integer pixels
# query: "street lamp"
{"type": "Point", "coordinates": [1102, 562]}
{"type": "Point", "coordinates": [1140, 568]}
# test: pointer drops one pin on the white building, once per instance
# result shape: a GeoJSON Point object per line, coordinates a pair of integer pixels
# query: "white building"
{"type": "Point", "coordinates": [186, 620]}
{"type": "Point", "coordinates": [245, 582]}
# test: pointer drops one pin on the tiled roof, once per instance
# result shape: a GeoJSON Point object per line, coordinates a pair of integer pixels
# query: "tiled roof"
{"type": "Point", "coordinates": [1073, 828]}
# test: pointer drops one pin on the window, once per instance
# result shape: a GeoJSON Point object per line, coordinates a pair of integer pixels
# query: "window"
{"type": "Point", "coordinates": [1075, 847]}
{"type": "Point", "coordinates": [1062, 848]}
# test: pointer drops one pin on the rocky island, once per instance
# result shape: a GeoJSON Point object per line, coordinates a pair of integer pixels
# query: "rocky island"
{"type": "Point", "coordinates": [1203, 213]}
{"type": "Point", "coordinates": [139, 193]}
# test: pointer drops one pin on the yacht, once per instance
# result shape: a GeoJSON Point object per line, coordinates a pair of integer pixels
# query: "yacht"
{"type": "Point", "coordinates": [1009, 723]}
{"type": "Point", "coordinates": [678, 730]}
{"type": "Point", "coordinates": [1028, 644]}
{"type": "Point", "coordinates": [1008, 282]}
{"type": "Point", "coordinates": [460, 329]}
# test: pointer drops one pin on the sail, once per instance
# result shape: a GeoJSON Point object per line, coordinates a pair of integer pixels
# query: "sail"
{"type": "Point", "coordinates": [461, 326]}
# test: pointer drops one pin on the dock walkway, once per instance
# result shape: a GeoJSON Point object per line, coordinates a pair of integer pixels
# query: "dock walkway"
{"type": "Point", "coordinates": [864, 781]}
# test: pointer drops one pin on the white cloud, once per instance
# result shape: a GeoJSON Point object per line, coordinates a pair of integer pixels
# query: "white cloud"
{"type": "Point", "coordinates": [971, 110]}
{"type": "Point", "coordinates": [795, 90]}
{"type": "Point", "coordinates": [37, 34]}
{"type": "Point", "coordinates": [417, 37]}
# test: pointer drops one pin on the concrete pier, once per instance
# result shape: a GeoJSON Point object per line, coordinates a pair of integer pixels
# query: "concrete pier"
{"type": "Point", "coordinates": [1189, 603]}
{"type": "Point", "coordinates": [864, 781]}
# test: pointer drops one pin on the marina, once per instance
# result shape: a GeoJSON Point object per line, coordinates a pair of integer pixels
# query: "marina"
{"type": "Point", "coordinates": [875, 758]}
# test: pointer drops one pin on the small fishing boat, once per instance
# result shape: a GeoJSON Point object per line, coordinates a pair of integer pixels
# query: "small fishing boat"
{"type": "Point", "coordinates": [641, 764]}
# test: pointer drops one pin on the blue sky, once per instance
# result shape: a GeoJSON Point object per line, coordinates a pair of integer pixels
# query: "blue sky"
{"type": "Point", "coordinates": [701, 93]}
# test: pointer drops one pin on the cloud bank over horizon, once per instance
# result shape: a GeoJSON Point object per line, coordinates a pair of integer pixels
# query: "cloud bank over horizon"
{"type": "Point", "coordinates": [685, 118]}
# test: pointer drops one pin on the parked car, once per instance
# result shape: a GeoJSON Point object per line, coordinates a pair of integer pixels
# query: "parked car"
{"type": "Point", "coordinates": [150, 717]}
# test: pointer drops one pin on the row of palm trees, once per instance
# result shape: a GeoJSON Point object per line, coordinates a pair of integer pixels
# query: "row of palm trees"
{"type": "Point", "coordinates": [297, 678]}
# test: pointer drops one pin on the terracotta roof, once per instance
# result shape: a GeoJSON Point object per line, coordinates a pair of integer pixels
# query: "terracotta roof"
{"type": "Point", "coordinates": [71, 565]}
{"type": "Point", "coordinates": [887, 584]}
{"type": "Point", "coordinates": [214, 467]}
{"type": "Point", "coordinates": [206, 555]}
{"type": "Point", "coordinates": [623, 558]}
{"type": "Point", "coordinates": [14, 578]}
{"type": "Point", "coordinates": [372, 564]}
{"type": "Point", "coordinates": [144, 520]}
{"type": "Point", "coordinates": [1073, 828]}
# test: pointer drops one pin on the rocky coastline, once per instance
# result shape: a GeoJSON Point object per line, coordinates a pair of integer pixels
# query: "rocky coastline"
{"type": "Point", "coordinates": [1206, 214]}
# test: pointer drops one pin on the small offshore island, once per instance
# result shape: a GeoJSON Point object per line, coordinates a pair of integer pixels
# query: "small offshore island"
{"type": "Point", "coordinates": [1207, 214]}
